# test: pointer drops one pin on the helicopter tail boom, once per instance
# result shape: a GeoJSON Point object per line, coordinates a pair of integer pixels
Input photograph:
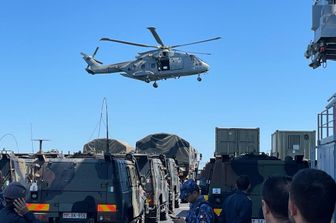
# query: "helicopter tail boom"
{"type": "Point", "coordinates": [94, 66]}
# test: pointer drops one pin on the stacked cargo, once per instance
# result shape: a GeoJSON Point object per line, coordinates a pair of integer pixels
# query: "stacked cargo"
{"type": "Point", "coordinates": [172, 146]}
{"type": "Point", "coordinates": [237, 153]}
{"type": "Point", "coordinates": [221, 173]}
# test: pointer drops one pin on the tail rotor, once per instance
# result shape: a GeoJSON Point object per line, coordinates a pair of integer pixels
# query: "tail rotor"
{"type": "Point", "coordinates": [93, 55]}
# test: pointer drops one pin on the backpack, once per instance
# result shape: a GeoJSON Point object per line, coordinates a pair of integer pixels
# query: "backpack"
{"type": "Point", "coordinates": [216, 219]}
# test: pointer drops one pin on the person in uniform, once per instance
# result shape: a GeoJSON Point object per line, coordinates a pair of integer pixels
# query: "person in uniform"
{"type": "Point", "coordinates": [237, 208]}
{"type": "Point", "coordinates": [200, 210]}
{"type": "Point", "coordinates": [15, 210]}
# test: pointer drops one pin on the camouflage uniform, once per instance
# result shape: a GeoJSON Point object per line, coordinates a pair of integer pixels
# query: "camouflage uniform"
{"type": "Point", "coordinates": [200, 211]}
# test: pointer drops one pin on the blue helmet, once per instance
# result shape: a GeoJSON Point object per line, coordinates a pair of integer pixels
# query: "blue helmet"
{"type": "Point", "coordinates": [14, 190]}
{"type": "Point", "coordinates": [187, 188]}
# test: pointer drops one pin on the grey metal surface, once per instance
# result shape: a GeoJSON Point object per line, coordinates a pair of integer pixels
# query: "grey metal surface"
{"type": "Point", "coordinates": [236, 141]}
{"type": "Point", "coordinates": [323, 47]}
{"type": "Point", "coordinates": [326, 158]}
{"type": "Point", "coordinates": [326, 149]}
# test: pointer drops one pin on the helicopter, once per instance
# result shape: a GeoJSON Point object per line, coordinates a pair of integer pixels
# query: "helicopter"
{"type": "Point", "coordinates": [162, 63]}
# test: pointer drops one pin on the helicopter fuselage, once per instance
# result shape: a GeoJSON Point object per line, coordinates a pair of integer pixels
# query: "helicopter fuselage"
{"type": "Point", "coordinates": [162, 63]}
{"type": "Point", "coordinates": [150, 67]}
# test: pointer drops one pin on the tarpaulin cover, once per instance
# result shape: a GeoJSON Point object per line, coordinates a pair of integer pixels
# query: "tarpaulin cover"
{"type": "Point", "coordinates": [172, 146]}
{"type": "Point", "coordinates": [99, 146]}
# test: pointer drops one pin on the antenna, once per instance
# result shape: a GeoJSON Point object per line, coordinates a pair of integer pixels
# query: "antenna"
{"type": "Point", "coordinates": [9, 134]}
{"type": "Point", "coordinates": [40, 141]}
{"type": "Point", "coordinates": [107, 133]}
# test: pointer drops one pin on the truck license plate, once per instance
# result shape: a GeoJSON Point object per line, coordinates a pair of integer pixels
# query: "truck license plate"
{"type": "Point", "coordinates": [74, 215]}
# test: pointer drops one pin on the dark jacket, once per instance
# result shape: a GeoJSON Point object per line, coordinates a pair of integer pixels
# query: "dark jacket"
{"type": "Point", "coordinates": [1, 200]}
{"type": "Point", "coordinates": [237, 208]}
{"type": "Point", "coordinates": [8, 215]}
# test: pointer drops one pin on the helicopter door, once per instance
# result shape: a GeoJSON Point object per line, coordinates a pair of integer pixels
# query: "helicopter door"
{"type": "Point", "coordinates": [163, 64]}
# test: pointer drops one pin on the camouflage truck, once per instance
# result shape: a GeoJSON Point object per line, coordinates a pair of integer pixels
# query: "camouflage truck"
{"type": "Point", "coordinates": [172, 146]}
{"type": "Point", "coordinates": [156, 187]}
{"type": "Point", "coordinates": [203, 179]}
{"type": "Point", "coordinates": [221, 173]}
{"type": "Point", "coordinates": [172, 177]}
{"type": "Point", "coordinates": [12, 169]}
{"type": "Point", "coordinates": [86, 188]}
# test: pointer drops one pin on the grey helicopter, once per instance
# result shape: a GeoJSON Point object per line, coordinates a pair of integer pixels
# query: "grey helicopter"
{"type": "Point", "coordinates": [162, 63]}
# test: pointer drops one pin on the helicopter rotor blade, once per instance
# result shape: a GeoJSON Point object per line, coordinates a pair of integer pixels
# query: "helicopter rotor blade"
{"type": "Point", "coordinates": [125, 42]}
{"type": "Point", "coordinates": [187, 44]}
{"type": "Point", "coordinates": [192, 52]}
{"type": "Point", "coordinates": [94, 53]}
{"type": "Point", "coordinates": [156, 36]}
{"type": "Point", "coordinates": [97, 61]}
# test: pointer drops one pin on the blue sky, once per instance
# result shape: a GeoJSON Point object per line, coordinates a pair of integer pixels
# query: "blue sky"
{"type": "Point", "coordinates": [258, 77]}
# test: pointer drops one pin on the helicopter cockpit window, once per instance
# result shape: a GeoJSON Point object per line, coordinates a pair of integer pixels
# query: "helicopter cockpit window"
{"type": "Point", "coordinates": [195, 60]}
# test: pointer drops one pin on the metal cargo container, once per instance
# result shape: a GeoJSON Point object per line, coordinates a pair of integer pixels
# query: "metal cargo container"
{"type": "Point", "coordinates": [293, 143]}
{"type": "Point", "coordinates": [236, 141]}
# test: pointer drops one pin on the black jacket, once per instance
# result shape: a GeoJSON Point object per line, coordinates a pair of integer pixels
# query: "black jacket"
{"type": "Point", "coordinates": [8, 215]}
{"type": "Point", "coordinates": [237, 208]}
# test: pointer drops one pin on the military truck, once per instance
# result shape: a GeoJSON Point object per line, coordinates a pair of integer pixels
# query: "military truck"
{"type": "Point", "coordinates": [12, 169]}
{"type": "Point", "coordinates": [87, 188]}
{"type": "Point", "coordinates": [203, 179]}
{"type": "Point", "coordinates": [156, 187]}
{"type": "Point", "coordinates": [172, 177]}
{"type": "Point", "coordinates": [172, 146]}
{"type": "Point", "coordinates": [222, 172]}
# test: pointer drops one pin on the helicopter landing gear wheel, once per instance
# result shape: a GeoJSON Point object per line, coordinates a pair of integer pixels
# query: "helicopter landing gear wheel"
{"type": "Point", "coordinates": [155, 85]}
{"type": "Point", "coordinates": [199, 78]}
{"type": "Point", "coordinates": [147, 81]}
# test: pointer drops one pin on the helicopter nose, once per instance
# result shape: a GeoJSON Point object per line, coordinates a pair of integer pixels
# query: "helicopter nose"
{"type": "Point", "coordinates": [205, 66]}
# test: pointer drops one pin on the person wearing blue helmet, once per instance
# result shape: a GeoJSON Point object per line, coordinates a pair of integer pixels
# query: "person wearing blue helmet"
{"type": "Point", "coordinates": [200, 210]}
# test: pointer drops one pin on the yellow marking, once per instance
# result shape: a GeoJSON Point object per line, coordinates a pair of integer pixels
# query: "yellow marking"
{"type": "Point", "coordinates": [217, 211]}
{"type": "Point", "coordinates": [37, 207]}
